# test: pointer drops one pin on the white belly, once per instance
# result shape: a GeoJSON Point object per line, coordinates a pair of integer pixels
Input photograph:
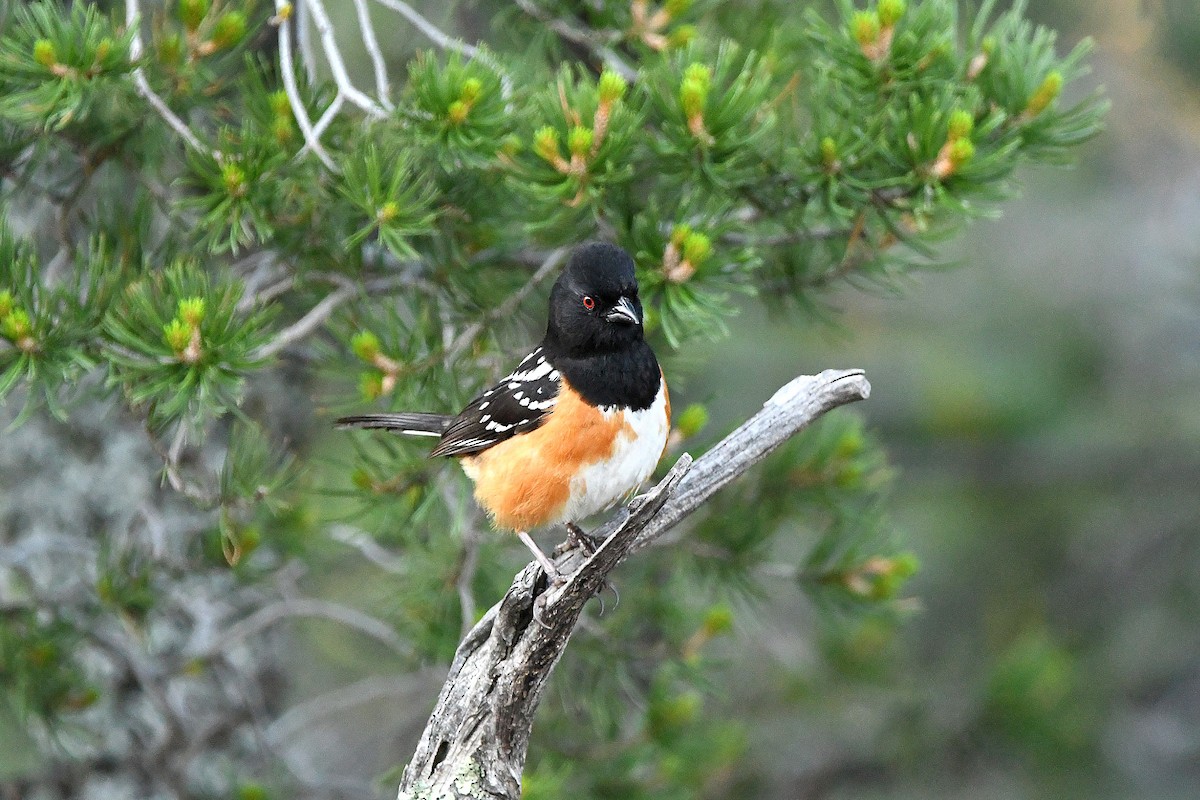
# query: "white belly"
{"type": "Point", "coordinates": [636, 453]}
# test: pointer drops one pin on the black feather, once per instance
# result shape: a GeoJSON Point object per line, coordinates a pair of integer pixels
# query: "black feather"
{"type": "Point", "coordinates": [520, 402]}
{"type": "Point", "coordinates": [411, 422]}
{"type": "Point", "coordinates": [602, 354]}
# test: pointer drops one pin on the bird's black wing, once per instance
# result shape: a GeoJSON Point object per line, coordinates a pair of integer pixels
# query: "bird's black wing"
{"type": "Point", "coordinates": [519, 403]}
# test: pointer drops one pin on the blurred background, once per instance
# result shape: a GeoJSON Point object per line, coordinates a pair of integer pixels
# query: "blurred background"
{"type": "Point", "coordinates": [1040, 401]}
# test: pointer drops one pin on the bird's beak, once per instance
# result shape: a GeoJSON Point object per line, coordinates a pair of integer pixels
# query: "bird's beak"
{"type": "Point", "coordinates": [624, 312]}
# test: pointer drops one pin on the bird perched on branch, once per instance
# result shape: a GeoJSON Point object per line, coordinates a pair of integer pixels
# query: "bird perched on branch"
{"type": "Point", "coordinates": [578, 425]}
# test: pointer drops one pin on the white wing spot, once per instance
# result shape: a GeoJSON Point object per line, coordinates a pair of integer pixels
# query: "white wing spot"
{"type": "Point", "coordinates": [484, 405]}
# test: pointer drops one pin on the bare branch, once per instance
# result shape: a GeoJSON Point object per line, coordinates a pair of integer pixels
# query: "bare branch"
{"type": "Point", "coordinates": [475, 742]}
{"type": "Point", "coordinates": [445, 42]}
{"type": "Point", "coordinates": [304, 607]}
{"type": "Point", "coordinates": [373, 689]}
{"type": "Point", "coordinates": [369, 549]}
{"type": "Point", "coordinates": [308, 323]}
{"type": "Point", "coordinates": [550, 264]}
{"type": "Point", "coordinates": [333, 55]}
{"type": "Point", "coordinates": [428, 29]}
{"type": "Point", "coordinates": [133, 21]}
{"type": "Point", "coordinates": [312, 138]}
{"type": "Point", "coordinates": [304, 39]}
{"type": "Point", "coordinates": [372, 47]}
{"type": "Point", "coordinates": [588, 39]}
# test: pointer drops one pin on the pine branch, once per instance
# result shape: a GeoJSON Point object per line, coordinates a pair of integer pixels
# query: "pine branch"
{"type": "Point", "coordinates": [475, 742]}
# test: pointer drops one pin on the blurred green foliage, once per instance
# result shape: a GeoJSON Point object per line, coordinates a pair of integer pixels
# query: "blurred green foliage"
{"type": "Point", "coordinates": [289, 236]}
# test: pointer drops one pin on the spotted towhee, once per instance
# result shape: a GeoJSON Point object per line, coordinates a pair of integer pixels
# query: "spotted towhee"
{"type": "Point", "coordinates": [580, 422]}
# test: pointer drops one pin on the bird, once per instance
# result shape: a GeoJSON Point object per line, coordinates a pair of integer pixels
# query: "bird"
{"type": "Point", "coordinates": [578, 425]}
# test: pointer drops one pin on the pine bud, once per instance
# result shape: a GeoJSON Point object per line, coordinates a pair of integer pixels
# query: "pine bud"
{"type": "Point", "coordinates": [961, 125]}
{"type": "Point", "coordinates": [696, 249]}
{"type": "Point", "coordinates": [370, 384]}
{"type": "Point", "coordinates": [681, 36]}
{"type": "Point", "coordinates": [44, 53]}
{"type": "Point", "coordinates": [362, 479]}
{"type": "Point", "coordinates": [170, 49]}
{"type": "Point", "coordinates": [177, 334]}
{"type": "Point", "coordinates": [864, 25]}
{"type": "Point", "coordinates": [511, 145]}
{"type": "Point", "coordinates": [365, 345]}
{"type": "Point", "coordinates": [579, 141]}
{"type": "Point", "coordinates": [692, 96]}
{"type": "Point", "coordinates": [1045, 94]}
{"type": "Point", "coordinates": [829, 153]}
{"type": "Point", "coordinates": [676, 7]}
{"type": "Point", "coordinates": [718, 620]}
{"type": "Point", "coordinates": [248, 541]}
{"type": "Point", "coordinates": [457, 112]}
{"type": "Point", "coordinates": [103, 48]}
{"type": "Point", "coordinates": [850, 444]}
{"type": "Point", "coordinates": [229, 30]}
{"type": "Point", "coordinates": [6, 303]}
{"type": "Point", "coordinates": [611, 87]}
{"type": "Point", "coordinates": [890, 12]}
{"type": "Point", "coordinates": [471, 89]}
{"type": "Point", "coordinates": [192, 13]}
{"type": "Point", "coordinates": [680, 233]}
{"type": "Point", "coordinates": [667, 715]}
{"type": "Point", "coordinates": [191, 310]}
{"type": "Point", "coordinates": [252, 791]}
{"type": "Point", "coordinates": [283, 129]}
{"type": "Point", "coordinates": [15, 325]}
{"type": "Point", "coordinates": [279, 103]}
{"type": "Point", "coordinates": [692, 420]}
{"type": "Point", "coordinates": [701, 73]}
{"type": "Point", "coordinates": [545, 144]}
{"type": "Point", "coordinates": [234, 180]}
{"type": "Point", "coordinates": [961, 151]}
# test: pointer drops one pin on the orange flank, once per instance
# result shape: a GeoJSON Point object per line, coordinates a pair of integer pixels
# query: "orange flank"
{"type": "Point", "coordinates": [525, 482]}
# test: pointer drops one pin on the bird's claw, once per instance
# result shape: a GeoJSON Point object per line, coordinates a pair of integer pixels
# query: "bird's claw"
{"type": "Point", "coordinates": [578, 537]}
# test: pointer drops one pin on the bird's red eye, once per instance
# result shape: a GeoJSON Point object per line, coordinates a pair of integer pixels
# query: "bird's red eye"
{"type": "Point", "coordinates": [589, 303]}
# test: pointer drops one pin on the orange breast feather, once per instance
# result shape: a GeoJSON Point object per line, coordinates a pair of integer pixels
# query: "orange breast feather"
{"type": "Point", "coordinates": [524, 482]}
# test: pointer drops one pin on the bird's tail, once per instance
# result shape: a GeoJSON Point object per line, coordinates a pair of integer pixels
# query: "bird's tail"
{"type": "Point", "coordinates": [410, 423]}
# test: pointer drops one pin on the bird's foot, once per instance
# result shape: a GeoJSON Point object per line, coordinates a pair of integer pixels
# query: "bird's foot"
{"type": "Point", "coordinates": [578, 537]}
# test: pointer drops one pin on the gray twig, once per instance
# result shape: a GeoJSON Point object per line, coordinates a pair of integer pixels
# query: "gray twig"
{"type": "Point", "coordinates": [588, 39]}
{"type": "Point", "coordinates": [337, 66]}
{"type": "Point", "coordinates": [304, 607]}
{"type": "Point", "coordinates": [133, 22]}
{"type": "Point", "coordinates": [287, 71]}
{"type": "Point", "coordinates": [445, 42]}
{"type": "Point", "coordinates": [372, 47]}
{"type": "Point", "coordinates": [551, 263]}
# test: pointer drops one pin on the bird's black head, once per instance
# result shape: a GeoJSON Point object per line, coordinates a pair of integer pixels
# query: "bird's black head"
{"type": "Point", "coordinates": [594, 305]}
